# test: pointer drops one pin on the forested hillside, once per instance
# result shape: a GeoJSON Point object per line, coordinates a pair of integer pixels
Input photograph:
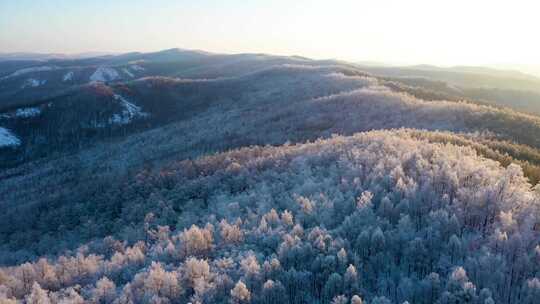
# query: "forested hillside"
{"type": "Point", "coordinates": [207, 178]}
{"type": "Point", "coordinates": [490, 86]}
{"type": "Point", "coordinates": [379, 216]}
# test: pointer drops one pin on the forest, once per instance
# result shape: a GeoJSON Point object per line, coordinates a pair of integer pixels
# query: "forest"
{"type": "Point", "coordinates": [378, 217]}
{"type": "Point", "coordinates": [260, 179]}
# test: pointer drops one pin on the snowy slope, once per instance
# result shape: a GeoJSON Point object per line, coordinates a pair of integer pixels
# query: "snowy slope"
{"type": "Point", "coordinates": [27, 112]}
{"type": "Point", "coordinates": [30, 70]}
{"type": "Point", "coordinates": [136, 67]}
{"type": "Point", "coordinates": [127, 72]}
{"type": "Point", "coordinates": [103, 74]}
{"type": "Point", "coordinates": [8, 139]}
{"type": "Point", "coordinates": [129, 112]}
{"type": "Point", "coordinates": [68, 76]}
{"type": "Point", "coordinates": [33, 83]}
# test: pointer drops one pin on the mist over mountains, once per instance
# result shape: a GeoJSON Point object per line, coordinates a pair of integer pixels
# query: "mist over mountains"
{"type": "Point", "coordinates": [186, 176]}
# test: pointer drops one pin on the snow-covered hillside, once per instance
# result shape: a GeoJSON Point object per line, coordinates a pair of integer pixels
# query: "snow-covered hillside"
{"type": "Point", "coordinates": [68, 76]}
{"type": "Point", "coordinates": [8, 139]}
{"type": "Point", "coordinates": [136, 67]}
{"type": "Point", "coordinates": [380, 217]}
{"type": "Point", "coordinates": [32, 83]}
{"type": "Point", "coordinates": [130, 111]}
{"type": "Point", "coordinates": [127, 72]}
{"type": "Point", "coordinates": [103, 74]}
{"type": "Point", "coordinates": [27, 112]}
{"type": "Point", "coordinates": [30, 70]}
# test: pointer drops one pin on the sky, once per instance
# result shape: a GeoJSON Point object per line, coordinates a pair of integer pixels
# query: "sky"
{"type": "Point", "coordinates": [457, 32]}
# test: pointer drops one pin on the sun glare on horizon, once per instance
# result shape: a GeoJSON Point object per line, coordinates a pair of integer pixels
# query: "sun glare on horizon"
{"type": "Point", "coordinates": [408, 32]}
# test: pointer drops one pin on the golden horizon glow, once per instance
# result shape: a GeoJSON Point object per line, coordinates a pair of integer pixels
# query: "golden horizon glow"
{"type": "Point", "coordinates": [393, 31]}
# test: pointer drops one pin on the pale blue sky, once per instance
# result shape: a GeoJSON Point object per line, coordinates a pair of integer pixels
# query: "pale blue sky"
{"type": "Point", "coordinates": [397, 31]}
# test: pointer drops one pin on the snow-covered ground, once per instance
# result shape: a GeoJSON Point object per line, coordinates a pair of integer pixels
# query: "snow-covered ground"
{"type": "Point", "coordinates": [27, 112]}
{"type": "Point", "coordinates": [136, 67]}
{"type": "Point", "coordinates": [128, 72]}
{"type": "Point", "coordinates": [32, 83]}
{"type": "Point", "coordinates": [22, 113]}
{"type": "Point", "coordinates": [8, 139]}
{"type": "Point", "coordinates": [103, 74]}
{"type": "Point", "coordinates": [68, 76]}
{"type": "Point", "coordinates": [30, 70]}
{"type": "Point", "coordinates": [129, 112]}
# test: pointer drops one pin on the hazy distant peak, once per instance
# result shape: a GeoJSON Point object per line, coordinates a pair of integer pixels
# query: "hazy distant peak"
{"type": "Point", "coordinates": [482, 70]}
{"type": "Point", "coordinates": [49, 56]}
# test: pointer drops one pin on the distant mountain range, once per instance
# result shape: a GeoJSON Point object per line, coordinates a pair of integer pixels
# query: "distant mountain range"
{"type": "Point", "coordinates": [491, 71]}
{"type": "Point", "coordinates": [48, 56]}
{"type": "Point", "coordinates": [533, 69]}
{"type": "Point", "coordinates": [105, 95]}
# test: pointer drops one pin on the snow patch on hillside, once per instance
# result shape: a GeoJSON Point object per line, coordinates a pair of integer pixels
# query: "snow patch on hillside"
{"type": "Point", "coordinates": [68, 76]}
{"type": "Point", "coordinates": [27, 112]}
{"type": "Point", "coordinates": [22, 113]}
{"type": "Point", "coordinates": [129, 112]}
{"type": "Point", "coordinates": [137, 68]}
{"type": "Point", "coordinates": [103, 74]}
{"type": "Point", "coordinates": [453, 87]}
{"type": "Point", "coordinates": [30, 70]}
{"type": "Point", "coordinates": [32, 83]}
{"type": "Point", "coordinates": [8, 139]}
{"type": "Point", "coordinates": [128, 72]}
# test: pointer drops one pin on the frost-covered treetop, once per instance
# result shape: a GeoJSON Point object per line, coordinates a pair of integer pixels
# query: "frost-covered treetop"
{"type": "Point", "coordinates": [378, 217]}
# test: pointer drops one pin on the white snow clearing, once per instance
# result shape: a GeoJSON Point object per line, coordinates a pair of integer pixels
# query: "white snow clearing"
{"type": "Point", "coordinates": [103, 74]}
{"type": "Point", "coordinates": [136, 67]}
{"type": "Point", "coordinates": [30, 70]}
{"type": "Point", "coordinates": [32, 83]}
{"type": "Point", "coordinates": [8, 139]}
{"type": "Point", "coordinates": [68, 76]}
{"type": "Point", "coordinates": [128, 73]}
{"type": "Point", "coordinates": [22, 113]}
{"type": "Point", "coordinates": [130, 111]}
{"type": "Point", "coordinates": [27, 112]}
